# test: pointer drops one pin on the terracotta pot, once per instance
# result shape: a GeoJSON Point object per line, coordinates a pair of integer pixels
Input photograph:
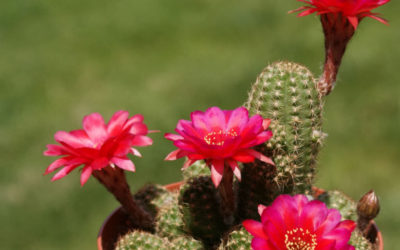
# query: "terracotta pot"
{"type": "Point", "coordinates": [117, 224]}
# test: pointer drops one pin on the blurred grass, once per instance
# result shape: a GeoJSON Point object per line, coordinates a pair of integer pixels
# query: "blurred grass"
{"type": "Point", "coordinates": [62, 60]}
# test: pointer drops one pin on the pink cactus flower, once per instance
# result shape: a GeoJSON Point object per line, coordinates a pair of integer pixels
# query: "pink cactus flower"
{"type": "Point", "coordinates": [220, 137]}
{"type": "Point", "coordinates": [98, 145]}
{"type": "Point", "coordinates": [353, 10]}
{"type": "Point", "coordinates": [293, 222]}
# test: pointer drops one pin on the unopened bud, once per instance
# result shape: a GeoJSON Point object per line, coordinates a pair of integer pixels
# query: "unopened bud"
{"type": "Point", "coordinates": [368, 206]}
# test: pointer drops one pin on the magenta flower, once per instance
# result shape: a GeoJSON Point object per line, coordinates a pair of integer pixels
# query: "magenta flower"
{"type": "Point", "coordinates": [98, 145]}
{"type": "Point", "coordinates": [353, 10]}
{"type": "Point", "coordinates": [220, 137]}
{"type": "Point", "coordinates": [296, 223]}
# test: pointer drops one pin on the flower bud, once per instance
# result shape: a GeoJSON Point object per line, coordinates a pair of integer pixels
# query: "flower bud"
{"type": "Point", "coordinates": [368, 206]}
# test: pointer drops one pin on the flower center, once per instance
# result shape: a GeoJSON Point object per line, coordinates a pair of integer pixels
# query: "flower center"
{"type": "Point", "coordinates": [300, 239]}
{"type": "Point", "coordinates": [218, 137]}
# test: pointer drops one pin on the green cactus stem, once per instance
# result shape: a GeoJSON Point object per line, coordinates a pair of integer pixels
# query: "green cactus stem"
{"type": "Point", "coordinates": [238, 239]}
{"type": "Point", "coordinates": [186, 243]}
{"type": "Point", "coordinates": [340, 201]}
{"type": "Point", "coordinates": [199, 168]}
{"type": "Point", "coordinates": [286, 93]}
{"type": "Point", "coordinates": [359, 242]}
{"type": "Point", "coordinates": [153, 197]}
{"type": "Point", "coordinates": [169, 221]}
{"type": "Point", "coordinates": [138, 240]}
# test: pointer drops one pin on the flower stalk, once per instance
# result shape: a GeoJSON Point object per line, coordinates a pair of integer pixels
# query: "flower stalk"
{"type": "Point", "coordinates": [227, 195]}
{"type": "Point", "coordinates": [115, 182]}
{"type": "Point", "coordinates": [338, 31]}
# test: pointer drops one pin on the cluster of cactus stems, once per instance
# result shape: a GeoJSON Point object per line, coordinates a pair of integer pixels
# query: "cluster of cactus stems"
{"type": "Point", "coordinates": [208, 210]}
{"type": "Point", "coordinates": [196, 216]}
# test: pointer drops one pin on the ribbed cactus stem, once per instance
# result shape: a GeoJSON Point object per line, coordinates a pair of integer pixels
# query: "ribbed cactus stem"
{"type": "Point", "coordinates": [286, 93]}
{"type": "Point", "coordinates": [115, 181]}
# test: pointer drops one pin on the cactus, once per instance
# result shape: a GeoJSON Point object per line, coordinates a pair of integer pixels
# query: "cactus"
{"type": "Point", "coordinates": [201, 210]}
{"type": "Point", "coordinates": [238, 239]}
{"type": "Point", "coordinates": [194, 219]}
{"type": "Point", "coordinates": [286, 93]}
{"type": "Point", "coordinates": [184, 243]}
{"type": "Point", "coordinates": [359, 242]}
{"type": "Point", "coordinates": [343, 203]}
{"type": "Point", "coordinates": [169, 221]}
{"type": "Point", "coordinates": [152, 197]}
{"type": "Point", "coordinates": [138, 240]}
{"type": "Point", "coordinates": [257, 187]}
{"type": "Point", "coordinates": [198, 168]}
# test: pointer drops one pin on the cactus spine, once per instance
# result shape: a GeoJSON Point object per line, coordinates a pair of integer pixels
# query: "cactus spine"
{"type": "Point", "coordinates": [286, 93]}
{"type": "Point", "coordinates": [138, 240]}
{"type": "Point", "coordinates": [169, 221]}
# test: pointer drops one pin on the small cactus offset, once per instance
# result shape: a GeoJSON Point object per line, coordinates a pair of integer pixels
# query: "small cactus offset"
{"type": "Point", "coordinates": [197, 169]}
{"type": "Point", "coordinates": [286, 93]}
{"type": "Point", "coordinates": [184, 243]}
{"type": "Point", "coordinates": [238, 239]}
{"type": "Point", "coordinates": [169, 221]}
{"type": "Point", "coordinates": [360, 242]}
{"type": "Point", "coordinates": [343, 203]}
{"type": "Point", "coordinates": [138, 240]}
{"type": "Point", "coordinates": [152, 197]}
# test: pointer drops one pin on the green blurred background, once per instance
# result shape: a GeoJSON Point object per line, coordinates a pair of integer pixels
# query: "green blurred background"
{"type": "Point", "coordinates": [61, 60]}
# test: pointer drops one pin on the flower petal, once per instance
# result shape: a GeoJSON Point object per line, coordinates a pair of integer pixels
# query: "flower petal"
{"type": "Point", "coordinates": [56, 164]}
{"type": "Point", "coordinates": [260, 244]}
{"type": "Point", "coordinates": [217, 170]}
{"type": "Point", "coordinates": [95, 128]}
{"type": "Point", "coordinates": [70, 140]}
{"type": "Point", "coordinates": [173, 155]}
{"type": "Point", "coordinates": [139, 129]}
{"type": "Point", "coordinates": [117, 122]}
{"type": "Point", "coordinates": [124, 163]}
{"type": "Point", "coordinates": [235, 169]}
{"type": "Point", "coordinates": [141, 141]}
{"type": "Point", "coordinates": [260, 156]}
{"type": "Point", "coordinates": [173, 137]}
{"type": "Point", "coordinates": [56, 150]}
{"type": "Point", "coordinates": [255, 228]}
{"type": "Point", "coordinates": [136, 152]}
{"type": "Point", "coordinates": [238, 119]}
{"type": "Point", "coordinates": [63, 172]}
{"type": "Point", "coordinates": [86, 172]}
{"type": "Point", "coordinates": [215, 118]}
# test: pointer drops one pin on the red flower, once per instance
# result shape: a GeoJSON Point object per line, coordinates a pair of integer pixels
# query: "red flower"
{"type": "Point", "coordinates": [220, 137]}
{"type": "Point", "coordinates": [98, 145]}
{"type": "Point", "coordinates": [296, 223]}
{"type": "Point", "coordinates": [353, 10]}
